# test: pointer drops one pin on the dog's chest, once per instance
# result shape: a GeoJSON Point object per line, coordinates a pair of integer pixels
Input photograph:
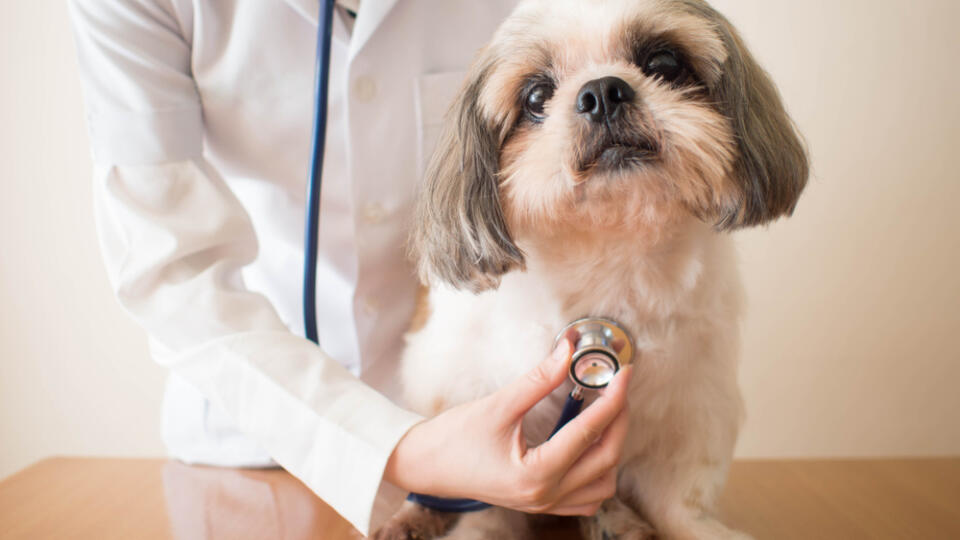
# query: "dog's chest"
{"type": "Point", "coordinates": [473, 345]}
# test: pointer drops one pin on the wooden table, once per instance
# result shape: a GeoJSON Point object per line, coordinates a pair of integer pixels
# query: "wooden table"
{"type": "Point", "coordinates": [143, 499]}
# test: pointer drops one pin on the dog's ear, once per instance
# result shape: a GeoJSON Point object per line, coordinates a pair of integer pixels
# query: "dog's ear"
{"type": "Point", "coordinates": [771, 167]}
{"type": "Point", "coordinates": [460, 235]}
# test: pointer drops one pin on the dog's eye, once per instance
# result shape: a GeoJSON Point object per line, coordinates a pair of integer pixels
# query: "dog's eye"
{"type": "Point", "coordinates": [535, 100]}
{"type": "Point", "coordinates": [666, 65]}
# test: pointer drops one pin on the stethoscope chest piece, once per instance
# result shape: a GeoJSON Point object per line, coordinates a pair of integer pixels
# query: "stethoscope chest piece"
{"type": "Point", "coordinates": [601, 349]}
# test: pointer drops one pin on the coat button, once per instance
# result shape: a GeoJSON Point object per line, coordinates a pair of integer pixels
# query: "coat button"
{"type": "Point", "coordinates": [364, 89]}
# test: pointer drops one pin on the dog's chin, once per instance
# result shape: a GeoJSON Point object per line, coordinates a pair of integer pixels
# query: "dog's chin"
{"type": "Point", "coordinates": [617, 157]}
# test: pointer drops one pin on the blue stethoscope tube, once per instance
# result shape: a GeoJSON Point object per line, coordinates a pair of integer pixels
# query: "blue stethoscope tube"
{"type": "Point", "coordinates": [321, 91]}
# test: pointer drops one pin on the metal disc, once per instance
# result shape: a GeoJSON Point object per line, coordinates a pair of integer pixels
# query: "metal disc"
{"type": "Point", "coordinates": [601, 348]}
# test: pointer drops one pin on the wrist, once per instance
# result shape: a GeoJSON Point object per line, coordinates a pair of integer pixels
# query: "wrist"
{"type": "Point", "coordinates": [401, 469]}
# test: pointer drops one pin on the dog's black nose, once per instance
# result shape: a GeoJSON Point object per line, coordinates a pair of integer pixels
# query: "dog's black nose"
{"type": "Point", "coordinates": [600, 99]}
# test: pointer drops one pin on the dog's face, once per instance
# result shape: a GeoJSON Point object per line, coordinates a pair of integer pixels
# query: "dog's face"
{"type": "Point", "coordinates": [586, 116]}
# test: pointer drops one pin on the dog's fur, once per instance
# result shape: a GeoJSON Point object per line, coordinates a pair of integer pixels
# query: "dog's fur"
{"type": "Point", "coordinates": [527, 224]}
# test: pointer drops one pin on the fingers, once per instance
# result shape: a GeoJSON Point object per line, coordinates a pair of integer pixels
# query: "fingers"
{"type": "Point", "coordinates": [600, 458]}
{"type": "Point", "coordinates": [521, 395]}
{"type": "Point", "coordinates": [561, 451]}
{"type": "Point", "coordinates": [582, 510]}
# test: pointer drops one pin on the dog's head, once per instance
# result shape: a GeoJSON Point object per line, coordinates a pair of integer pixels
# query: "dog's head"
{"type": "Point", "coordinates": [586, 116]}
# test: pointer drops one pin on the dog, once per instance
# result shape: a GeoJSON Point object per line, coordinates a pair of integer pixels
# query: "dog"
{"type": "Point", "coordinates": [592, 165]}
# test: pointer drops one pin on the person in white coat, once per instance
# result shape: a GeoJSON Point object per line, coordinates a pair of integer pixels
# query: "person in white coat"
{"type": "Point", "coordinates": [199, 118]}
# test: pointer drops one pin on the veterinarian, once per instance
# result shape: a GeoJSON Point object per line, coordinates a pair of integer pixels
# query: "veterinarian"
{"type": "Point", "coordinates": [199, 117]}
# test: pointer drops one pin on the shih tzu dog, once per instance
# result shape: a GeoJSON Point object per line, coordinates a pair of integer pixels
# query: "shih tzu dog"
{"type": "Point", "coordinates": [592, 164]}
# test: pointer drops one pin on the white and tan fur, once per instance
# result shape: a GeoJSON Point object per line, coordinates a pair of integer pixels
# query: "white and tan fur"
{"type": "Point", "coordinates": [517, 238]}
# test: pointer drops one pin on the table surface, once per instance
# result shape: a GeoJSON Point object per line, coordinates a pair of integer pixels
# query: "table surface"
{"type": "Point", "coordinates": [106, 498]}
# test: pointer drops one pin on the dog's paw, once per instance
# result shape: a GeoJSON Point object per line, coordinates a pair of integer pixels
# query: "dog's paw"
{"type": "Point", "coordinates": [492, 524]}
{"type": "Point", "coordinates": [414, 522]}
{"type": "Point", "coordinates": [616, 521]}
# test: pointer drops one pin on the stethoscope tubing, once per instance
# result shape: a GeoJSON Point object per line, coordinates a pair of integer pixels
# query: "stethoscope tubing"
{"type": "Point", "coordinates": [311, 232]}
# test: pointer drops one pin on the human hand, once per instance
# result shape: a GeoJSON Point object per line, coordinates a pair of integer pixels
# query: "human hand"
{"type": "Point", "coordinates": [477, 450]}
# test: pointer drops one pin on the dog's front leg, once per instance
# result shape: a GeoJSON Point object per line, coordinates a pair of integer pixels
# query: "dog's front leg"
{"type": "Point", "coordinates": [678, 498]}
{"type": "Point", "coordinates": [415, 522]}
{"type": "Point", "coordinates": [616, 521]}
{"type": "Point", "coordinates": [492, 524]}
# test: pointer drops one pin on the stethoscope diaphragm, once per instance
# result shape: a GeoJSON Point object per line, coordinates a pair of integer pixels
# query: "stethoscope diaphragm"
{"type": "Point", "coordinates": [602, 347]}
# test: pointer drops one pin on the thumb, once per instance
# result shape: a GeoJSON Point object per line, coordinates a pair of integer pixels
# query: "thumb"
{"type": "Point", "coordinates": [522, 394]}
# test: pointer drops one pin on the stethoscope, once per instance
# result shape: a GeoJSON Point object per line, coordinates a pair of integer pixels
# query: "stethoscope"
{"type": "Point", "coordinates": [602, 346]}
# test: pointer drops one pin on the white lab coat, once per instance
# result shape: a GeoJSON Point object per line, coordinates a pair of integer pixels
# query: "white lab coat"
{"type": "Point", "coordinates": [199, 115]}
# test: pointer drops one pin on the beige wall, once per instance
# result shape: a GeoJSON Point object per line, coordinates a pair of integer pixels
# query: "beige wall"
{"type": "Point", "coordinates": [851, 343]}
{"type": "Point", "coordinates": [74, 376]}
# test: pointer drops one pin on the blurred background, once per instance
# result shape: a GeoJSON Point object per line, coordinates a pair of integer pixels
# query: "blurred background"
{"type": "Point", "coordinates": [852, 340]}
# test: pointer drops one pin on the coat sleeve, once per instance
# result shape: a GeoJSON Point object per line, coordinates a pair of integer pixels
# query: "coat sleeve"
{"type": "Point", "coordinates": [174, 239]}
